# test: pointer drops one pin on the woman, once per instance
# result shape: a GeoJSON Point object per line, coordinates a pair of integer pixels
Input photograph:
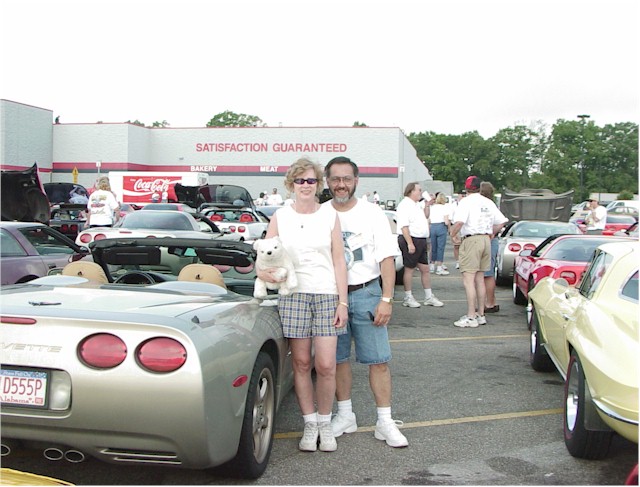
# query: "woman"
{"type": "Point", "coordinates": [486, 190]}
{"type": "Point", "coordinates": [317, 312]}
{"type": "Point", "coordinates": [439, 228]}
{"type": "Point", "coordinates": [103, 208]}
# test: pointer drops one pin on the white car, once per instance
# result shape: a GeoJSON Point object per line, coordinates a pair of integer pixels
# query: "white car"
{"type": "Point", "coordinates": [158, 224]}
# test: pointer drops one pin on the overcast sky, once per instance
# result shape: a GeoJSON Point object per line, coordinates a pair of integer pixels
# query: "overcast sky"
{"type": "Point", "coordinates": [448, 66]}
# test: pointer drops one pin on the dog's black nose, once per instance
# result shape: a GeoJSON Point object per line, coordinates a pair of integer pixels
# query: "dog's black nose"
{"type": "Point", "coordinates": [268, 252]}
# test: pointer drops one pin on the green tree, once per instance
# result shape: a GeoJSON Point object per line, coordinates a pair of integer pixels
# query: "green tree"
{"type": "Point", "coordinates": [231, 119]}
{"type": "Point", "coordinates": [164, 123]}
{"type": "Point", "coordinates": [136, 122]}
{"type": "Point", "coordinates": [359, 124]}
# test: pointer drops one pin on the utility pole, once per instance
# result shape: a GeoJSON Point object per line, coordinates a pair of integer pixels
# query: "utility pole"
{"type": "Point", "coordinates": [582, 154]}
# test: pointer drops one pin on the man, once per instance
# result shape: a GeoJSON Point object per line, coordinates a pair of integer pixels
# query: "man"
{"type": "Point", "coordinates": [370, 248]}
{"type": "Point", "coordinates": [596, 218]}
{"type": "Point", "coordinates": [274, 198]}
{"type": "Point", "coordinates": [477, 218]}
{"type": "Point", "coordinates": [413, 231]}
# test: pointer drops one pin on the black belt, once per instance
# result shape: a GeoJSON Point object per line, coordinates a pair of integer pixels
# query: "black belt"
{"type": "Point", "coordinates": [355, 287]}
{"type": "Point", "coordinates": [476, 235]}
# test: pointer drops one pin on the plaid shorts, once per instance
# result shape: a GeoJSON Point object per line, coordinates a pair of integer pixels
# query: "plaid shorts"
{"type": "Point", "coordinates": [305, 315]}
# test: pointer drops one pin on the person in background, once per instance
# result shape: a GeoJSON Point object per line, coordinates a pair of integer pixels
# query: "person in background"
{"type": "Point", "coordinates": [103, 210]}
{"type": "Point", "coordinates": [413, 230]}
{"type": "Point", "coordinates": [487, 190]}
{"type": "Point", "coordinates": [376, 198]}
{"type": "Point", "coordinates": [456, 240]}
{"type": "Point", "coordinates": [317, 311]}
{"type": "Point", "coordinates": [372, 249]}
{"type": "Point", "coordinates": [438, 230]}
{"type": "Point", "coordinates": [476, 219]}
{"type": "Point", "coordinates": [596, 218]}
{"type": "Point", "coordinates": [274, 198]}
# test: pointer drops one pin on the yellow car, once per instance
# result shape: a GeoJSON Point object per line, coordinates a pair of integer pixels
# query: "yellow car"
{"type": "Point", "coordinates": [590, 334]}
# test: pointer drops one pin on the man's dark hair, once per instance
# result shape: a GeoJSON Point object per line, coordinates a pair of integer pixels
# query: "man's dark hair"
{"type": "Point", "coordinates": [340, 160]}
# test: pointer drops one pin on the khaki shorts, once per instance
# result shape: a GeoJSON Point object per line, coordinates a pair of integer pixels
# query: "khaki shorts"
{"type": "Point", "coordinates": [475, 253]}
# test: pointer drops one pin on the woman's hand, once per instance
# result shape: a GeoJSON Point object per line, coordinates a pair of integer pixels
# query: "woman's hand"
{"type": "Point", "coordinates": [341, 317]}
{"type": "Point", "coordinates": [270, 274]}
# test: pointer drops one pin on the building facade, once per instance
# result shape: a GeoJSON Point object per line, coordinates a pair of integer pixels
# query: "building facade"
{"type": "Point", "coordinates": [254, 157]}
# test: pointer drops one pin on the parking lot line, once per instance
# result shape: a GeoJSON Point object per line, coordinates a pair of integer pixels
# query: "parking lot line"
{"type": "Point", "coordinates": [447, 422]}
{"type": "Point", "coordinates": [448, 339]}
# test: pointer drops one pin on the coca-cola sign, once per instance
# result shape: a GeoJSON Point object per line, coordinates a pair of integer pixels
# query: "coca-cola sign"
{"type": "Point", "coordinates": [148, 189]}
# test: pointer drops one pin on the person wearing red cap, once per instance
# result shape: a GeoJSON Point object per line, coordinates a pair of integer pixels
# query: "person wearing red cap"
{"type": "Point", "coordinates": [476, 219]}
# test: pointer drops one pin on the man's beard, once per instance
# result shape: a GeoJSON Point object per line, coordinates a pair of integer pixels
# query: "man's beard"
{"type": "Point", "coordinates": [345, 199]}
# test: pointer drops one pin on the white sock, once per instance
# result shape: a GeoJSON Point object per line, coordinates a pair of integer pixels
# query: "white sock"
{"type": "Point", "coordinates": [427, 293]}
{"type": "Point", "coordinates": [384, 415]}
{"type": "Point", "coordinates": [345, 408]}
{"type": "Point", "coordinates": [310, 418]}
{"type": "Point", "coordinates": [408, 294]}
{"type": "Point", "coordinates": [324, 418]}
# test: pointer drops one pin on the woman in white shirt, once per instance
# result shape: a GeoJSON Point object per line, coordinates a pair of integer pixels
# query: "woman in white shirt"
{"type": "Point", "coordinates": [438, 231]}
{"type": "Point", "coordinates": [317, 311]}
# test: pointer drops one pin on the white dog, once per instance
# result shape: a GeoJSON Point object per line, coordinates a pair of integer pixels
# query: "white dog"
{"type": "Point", "coordinates": [271, 254]}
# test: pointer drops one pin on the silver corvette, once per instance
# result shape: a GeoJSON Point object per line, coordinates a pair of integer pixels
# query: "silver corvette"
{"type": "Point", "coordinates": [155, 353]}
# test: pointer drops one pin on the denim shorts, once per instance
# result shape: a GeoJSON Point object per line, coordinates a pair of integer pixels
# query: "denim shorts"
{"type": "Point", "coordinates": [371, 342]}
{"type": "Point", "coordinates": [305, 315]}
{"type": "Point", "coordinates": [494, 256]}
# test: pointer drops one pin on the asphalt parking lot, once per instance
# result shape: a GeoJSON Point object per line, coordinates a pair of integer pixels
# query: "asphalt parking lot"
{"type": "Point", "coordinates": [474, 413]}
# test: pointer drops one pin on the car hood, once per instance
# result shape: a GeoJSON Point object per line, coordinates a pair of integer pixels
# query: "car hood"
{"type": "Point", "coordinates": [23, 196]}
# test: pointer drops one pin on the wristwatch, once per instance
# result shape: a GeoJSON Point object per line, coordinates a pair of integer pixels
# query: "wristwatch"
{"type": "Point", "coordinates": [387, 300]}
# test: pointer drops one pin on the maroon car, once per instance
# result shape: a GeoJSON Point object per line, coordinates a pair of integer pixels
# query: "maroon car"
{"type": "Point", "coordinates": [29, 250]}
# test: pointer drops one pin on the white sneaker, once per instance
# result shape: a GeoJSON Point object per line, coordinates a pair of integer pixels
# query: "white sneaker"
{"type": "Point", "coordinates": [466, 322]}
{"type": "Point", "coordinates": [309, 441]}
{"type": "Point", "coordinates": [327, 440]}
{"type": "Point", "coordinates": [411, 302]}
{"type": "Point", "coordinates": [442, 272]}
{"type": "Point", "coordinates": [444, 267]}
{"type": "Point", "coordinates": [433, 301]}
{"type": "Point", "coordinates": [390, 433]}
{"type": "Point", "coordinates": [457, 265]}
{"type": "Point", "coordinates": [431, 268]}
{"type": "Point", "coordinates": [343, 423]}
{"type": "Point", "coordinates": [481, 319]}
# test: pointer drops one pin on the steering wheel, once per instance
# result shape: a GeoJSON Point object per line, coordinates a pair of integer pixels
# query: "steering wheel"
{"type": "Point", "coordinates": [135, 277]}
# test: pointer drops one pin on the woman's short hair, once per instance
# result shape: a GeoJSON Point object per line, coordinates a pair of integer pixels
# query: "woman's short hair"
{"type": "Point", "coordinates": [441, 199]}
{"type": "Point", "coordinates": [487, 189]}
{"type": "Point", "coordinates": [300, 167]}
{"type": "Point", "coordinates": [103, 184]}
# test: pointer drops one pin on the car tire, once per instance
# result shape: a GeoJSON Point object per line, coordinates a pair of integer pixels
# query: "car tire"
{"type": "Point", "coordinates": [580, 442]}
{"type": "Point", "coordinates": [538, 357]}
{"type": "Point", "coordinates": [256, 436]}
{"type": "Point", "coordinates": [518, 297]}
{"type": "Point", "coordinates": [500, 280]}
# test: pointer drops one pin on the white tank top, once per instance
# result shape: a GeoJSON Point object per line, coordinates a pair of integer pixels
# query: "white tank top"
{"type": "Point", "coordinates": [307, 240]}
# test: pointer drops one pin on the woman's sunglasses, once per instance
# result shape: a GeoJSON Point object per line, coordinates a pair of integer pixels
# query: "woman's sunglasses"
{"type": "Point", "coordinates": [308, 181]}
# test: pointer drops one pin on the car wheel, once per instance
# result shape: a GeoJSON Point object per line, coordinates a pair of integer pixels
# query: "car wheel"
{"type": "Point", "coordinates": [256, 436]}
{"type": "Point", "coordinates": [538, 357]}
{"type": "Point", "coordinates": [580, 442]}
{"type": "Point", "coordinates": [518, 297]}
{"type": "Point", "coordinates": [500, 280]}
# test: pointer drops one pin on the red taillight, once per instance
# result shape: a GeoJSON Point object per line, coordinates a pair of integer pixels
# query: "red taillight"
{"type": "Point", "coordinates": [99, 236]}
{"type": "Point", "coordinates": [514, 247]}
{"type": "Point", "coordinates": [102, 351]}
{"type": "Point", "coordinates": [529, 246]}
{"type": "Point", "coordinates": [73, 228]}
{"type": "Point", "coordinates": [64, 228]}
{"type": "Point", "coordinates": [15, 320]}
{"type": "Point", "coordinates": [85, 238]}
{"type": "Point", "coordinates": [161, 355]}
{"type": "Point", "coordinates": [570, 276]}
{"type": "Point", "coordinates": [242, 229]}
{"type": "Point", "coordinates": [215, 218]}
{"type": "Point", "coordinates": [232, 228]}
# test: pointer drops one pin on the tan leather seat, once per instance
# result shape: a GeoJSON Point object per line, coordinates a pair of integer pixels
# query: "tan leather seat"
{"type": "Point", "coordinates": [89, 270]}
{"type": "Point", "coordinates": [201, 273]}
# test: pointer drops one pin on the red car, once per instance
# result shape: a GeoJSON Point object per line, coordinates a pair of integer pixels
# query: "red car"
{"type": "Point", "coordinates": [557, 256]}
{"type": "Point", "coordinates": [618, 221]}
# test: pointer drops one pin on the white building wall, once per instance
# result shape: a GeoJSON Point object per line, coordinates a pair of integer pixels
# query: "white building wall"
{"type": "Point", "coordinates": [26, 137]}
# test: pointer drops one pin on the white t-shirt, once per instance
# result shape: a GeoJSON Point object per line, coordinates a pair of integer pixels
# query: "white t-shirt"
{"type": "Point", "coordinates": [601, 215]}
{"type": "Point", "coordinates": [274, 199]}
{"type": "Point", "coordinates": [410, 214]}
{"type": "Point", "coordinates": [368, 240]}
{"type": "Point", "coordinates": [438, 212]}
{"type": "Point", "coordinates": [101, 206]}
{"type": "Point", "coordinates": [478, 215]}
{"type": "Point", "coordinates": [307, 240]}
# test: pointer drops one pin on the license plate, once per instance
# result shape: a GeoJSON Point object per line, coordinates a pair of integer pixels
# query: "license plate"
{"type": "Point", "coordinates": [24, 387]}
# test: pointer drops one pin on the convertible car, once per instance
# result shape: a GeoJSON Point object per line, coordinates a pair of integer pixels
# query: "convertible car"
{"type": "Point", "coordinates": [157, 223]}
{"type": "Point", "coordinates": [156, 353]}
{"type": "Point", "coordinates": [563, 256]}
{"type": "Point", "coordinates": [590, 335]}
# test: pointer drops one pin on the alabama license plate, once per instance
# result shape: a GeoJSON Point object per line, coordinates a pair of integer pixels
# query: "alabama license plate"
{"type": "Point", "coordinates": [24, 387]}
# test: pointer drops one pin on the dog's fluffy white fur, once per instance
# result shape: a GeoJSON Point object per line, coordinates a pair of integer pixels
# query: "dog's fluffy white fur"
{"type": "Point", "coordinates": [271, 254]}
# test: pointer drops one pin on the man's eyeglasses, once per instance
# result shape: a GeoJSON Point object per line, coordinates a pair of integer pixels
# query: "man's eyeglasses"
{"type": "Point", "coordinates": [345, 179]}
{"type": "Point", "coordinates": [308, 180]}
